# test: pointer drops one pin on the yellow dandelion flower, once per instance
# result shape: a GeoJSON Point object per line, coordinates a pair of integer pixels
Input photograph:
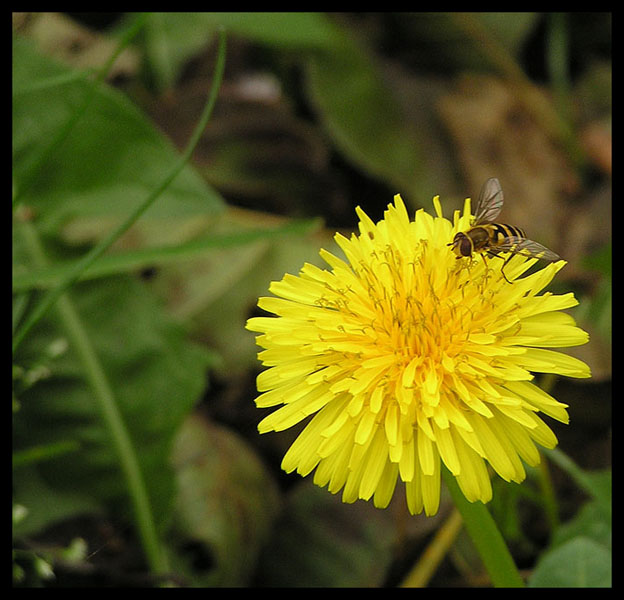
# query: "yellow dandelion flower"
{"type": "Point", "coordinates": [404, 357]}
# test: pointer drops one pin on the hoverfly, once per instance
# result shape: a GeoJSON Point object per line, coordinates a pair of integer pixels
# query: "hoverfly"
{"type": "Point", "coordinates": [487, 237]}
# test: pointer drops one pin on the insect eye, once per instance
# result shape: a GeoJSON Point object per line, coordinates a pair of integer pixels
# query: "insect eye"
{"type": "Point", "coordinates": [465, 247]}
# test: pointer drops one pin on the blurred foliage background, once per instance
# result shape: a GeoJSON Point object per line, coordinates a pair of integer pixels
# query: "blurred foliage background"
{"type": "Point", "coordinates": [317, 113]}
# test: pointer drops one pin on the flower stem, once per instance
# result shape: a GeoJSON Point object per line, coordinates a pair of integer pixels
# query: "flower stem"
{"type": "Point", "coordinates": [486, 537]}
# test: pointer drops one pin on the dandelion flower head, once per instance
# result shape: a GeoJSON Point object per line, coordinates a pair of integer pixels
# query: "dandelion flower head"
{"type": "Point", "coordinates": [402, 357]}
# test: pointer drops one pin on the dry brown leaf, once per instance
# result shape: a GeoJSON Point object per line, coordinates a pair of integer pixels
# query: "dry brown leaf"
{"type": "Point", "coordinates": [496, 136]}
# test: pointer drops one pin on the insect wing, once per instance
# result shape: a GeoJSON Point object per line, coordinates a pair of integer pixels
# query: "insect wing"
{"type": "Point", "coordinates": [490, 202]}
{"type": "Point", "coordinates": [520, 245]}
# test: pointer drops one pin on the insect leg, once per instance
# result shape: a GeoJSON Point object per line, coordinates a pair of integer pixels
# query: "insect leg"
{"type": "Point", "coordinates": [491, 252]}
{"type": "Point", "coordinates": [502, 271]}
{"type": "Point", "coordinates": [487, 269]}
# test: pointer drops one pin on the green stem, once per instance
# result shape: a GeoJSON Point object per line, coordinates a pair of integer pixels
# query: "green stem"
{"type": "Point", "coordinates": [53, 295]}
{"type": "Point", "coordinates": [558, 60]}
{"type": "Point", "coordinates": [486, 537]}
{"type": "Point", "coordinates": [108, 408]}
{"type": "Point", "coordinates": [133, 260]}
{"type": "Point", "coordinates": [80, 342]}
{"type": "Point", "coordinates": [549, 497]}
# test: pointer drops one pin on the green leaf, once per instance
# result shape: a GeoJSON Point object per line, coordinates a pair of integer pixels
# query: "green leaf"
{"type": "Point", "coordinates": [356, 105]}
{"type": "Point", "coordinates": [156, 374]}
{"type": "Point", "coordinates": [39, 453]}
{"type": "Point", "coordinates": [218, 291]}
{"type": "Point", "coordinates": [226, 503]}
{"type": "Point", "coordinates": [112, 159]}
{"type": "Point", "coordinates": [141, 258]}
{"type": "Point", "coordinates": [580, 553]}
{"type": "Point", "coordinates": [284, 30]}
{"type": "Point", "coordinates": [453, 41]}
{"type": "Point", "coordinates": [363, 118]}
{"type": "Point", "coordinates": [597, 484]}
{"type": "Point", "coordinates": [171, 39]}
{"type": "Point", "coordinates": [590, 522]}
{"type": "Point", "coordinates": [580, 562]}
{"type": "Point", "coordinates": [46, 504]}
